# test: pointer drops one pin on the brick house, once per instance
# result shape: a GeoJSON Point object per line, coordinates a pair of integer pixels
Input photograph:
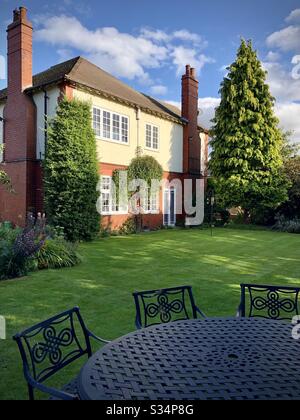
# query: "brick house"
{"type": "Point", "coordinates": [123, 120]}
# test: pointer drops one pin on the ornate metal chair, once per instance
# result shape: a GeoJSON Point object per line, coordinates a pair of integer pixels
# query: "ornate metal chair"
{"type": "Point", "coordinates": [271, 302]}
{"type": "Point", "coordinates": [165, 305]}
{"type": "Point", "coordinates": [50, 346]}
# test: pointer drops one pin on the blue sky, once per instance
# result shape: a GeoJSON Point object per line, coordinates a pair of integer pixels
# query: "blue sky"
{"type": "Point", "coordinates": [147, 43]}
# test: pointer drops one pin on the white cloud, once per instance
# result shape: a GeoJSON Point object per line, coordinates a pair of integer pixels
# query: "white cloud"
{"type": "Point", "coordinates": [159, 90]}
{"type": "Point", "coordinates": [282, 84]}
{"type": "Point", "coordinates": [294, 16]}
{"type": "Point", "coordinates": [155, 35]}
{"type": "Point", "coordinates": [207, 108]}
{"type": "Point", "coordinates": [273, 56]}
{"type": "Point", "coordinates": [120, 53]}
{"type": "Point", "coordinates": [182, 35]}
{"type": "Point", "coordinates": [182, 56]}
{"type": "Point", "coordinates": [185, 35]}
{"type": "Point", "coordinates": [123, 54]}
{"type": "Point", "coordinates": [289, 116]}
{"type": "Point", "coordinates": [288, 39]}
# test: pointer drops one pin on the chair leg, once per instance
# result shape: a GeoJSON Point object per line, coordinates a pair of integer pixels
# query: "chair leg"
{"type": "Point", "coordinates": [31, 393]}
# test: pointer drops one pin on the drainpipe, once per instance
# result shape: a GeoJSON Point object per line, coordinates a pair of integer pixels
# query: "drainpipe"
{"type": "Point", "coordinates": [138, 117]}
{"type": "Point", "coordinates": [46, 98]}
{"type": "Point", "coordinates": [2, 155]}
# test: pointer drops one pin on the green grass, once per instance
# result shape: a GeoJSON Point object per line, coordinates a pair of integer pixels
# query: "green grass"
{"type": "Point", "coordinates": [113, 268]}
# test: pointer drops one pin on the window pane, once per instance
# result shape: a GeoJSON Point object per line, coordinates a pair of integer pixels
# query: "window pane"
{"type": "Point", "coordinates": [97, 121]}
{"type": "Point", "coordinates": [105, 202]}
{"type": "Point", "coordinates": [154, 203]}
{"type": "Point", "coordinates": [155, 138]}
{"type": "Point", "coordinates": [116, 127]}
{"type": "Point", "coordinates": [105, 183]}
{"type": "Point", "coordinates": [148, 136]}
{"type": "Point", "coordinates": [124, 130]}
{"type": "Point", "coordinates": [106, 124]}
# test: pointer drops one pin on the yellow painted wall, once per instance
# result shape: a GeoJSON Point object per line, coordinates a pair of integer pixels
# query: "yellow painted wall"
{"type": "Point", "coordinates": [170, 150]}
{"type": "Point", "coordinates": [53, 95]}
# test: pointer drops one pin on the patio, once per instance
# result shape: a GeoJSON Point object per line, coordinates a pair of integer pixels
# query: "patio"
{"type": "Point", "coordinates": [113, 268]}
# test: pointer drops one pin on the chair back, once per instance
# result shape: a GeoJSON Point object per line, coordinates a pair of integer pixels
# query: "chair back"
{"type": "Point", "coordinates": [53, 344]}
{"type": "Point", "coordinates": [165, 305]}
{"type": "Point", "coordinates": [271, 302]}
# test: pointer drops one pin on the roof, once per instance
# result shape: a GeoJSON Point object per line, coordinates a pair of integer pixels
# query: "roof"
{"type": "Point", "coordinates": [81, 72]}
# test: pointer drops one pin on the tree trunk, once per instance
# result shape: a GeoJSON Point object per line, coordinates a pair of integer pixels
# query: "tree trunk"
{"type": "Point", "coordinates": [246, 216]}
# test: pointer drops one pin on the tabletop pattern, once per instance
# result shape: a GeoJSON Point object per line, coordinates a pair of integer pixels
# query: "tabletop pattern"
{"type": "Point", "coordinates": [197, 360]}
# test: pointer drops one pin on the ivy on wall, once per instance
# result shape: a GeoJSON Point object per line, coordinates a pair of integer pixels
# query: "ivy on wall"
{"type": "Point", "coordinates": [71, 172]}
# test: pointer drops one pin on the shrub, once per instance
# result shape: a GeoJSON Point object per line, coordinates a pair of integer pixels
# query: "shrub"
{"type": "Point", "coordinates": [57, 253]}
{"type": "Point", "coordinates": [17, 251]}
{"type": "Point", "coordinates": [285, 225]}
{"type": "Point", "coordinates": [128, 227]}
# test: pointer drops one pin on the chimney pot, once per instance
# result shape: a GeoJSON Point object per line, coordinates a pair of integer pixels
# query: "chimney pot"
{"type": "Point", "coordinates": [193, 73]}
{"type": "Point", "coordinates": [188, 69]}
{"type": "Point", "coordinates": [16, 15]}
{"type": "Point", "coordinates": [23, 13]}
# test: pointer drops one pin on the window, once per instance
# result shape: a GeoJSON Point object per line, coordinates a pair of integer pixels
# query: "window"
{"type": "Point", "coordinates": [111, 126]}
{"type": "Point", "coordinates": [152, 137]}
{"type": "Point", "coordinates": [97, 121]}
{"type": "Point", "coordinates": [124, 129]}
{"type": "Point", "coordinates": [105, 194]}
{"type": "Point", "coordinates": [106, 125]}
{"type": "Point", "coordinates": [109, 203]}
{"type": "Point", "coordinates": [116, 127]}
{"type": "Point", "coordinates": [152, 204]}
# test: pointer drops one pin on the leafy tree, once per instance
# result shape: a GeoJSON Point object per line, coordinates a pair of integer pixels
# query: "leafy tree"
{"type": "Point", "coordinates": [4, 178]}
{"type": "Point", "coordinates": [246, 160]}
{"type": "Point", "coordinates": [71, 172]}
{"type": "Point", "coordinates": [291, 208]}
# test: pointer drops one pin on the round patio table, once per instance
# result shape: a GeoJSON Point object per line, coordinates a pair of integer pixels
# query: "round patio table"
{"type": "Point", "coordinates": [217, 359]}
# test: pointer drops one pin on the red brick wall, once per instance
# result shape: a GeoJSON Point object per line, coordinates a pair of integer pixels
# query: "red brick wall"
{"type": "Point", "coordinates": [191, 142]}
{"type": "Point", "coordinates": [19, 124]}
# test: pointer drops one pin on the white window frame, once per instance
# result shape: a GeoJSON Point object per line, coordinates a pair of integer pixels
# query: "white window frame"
{"type": "Point", "coordinates": [152, 148]}
{"type": "Point", "coordinates": [153, 204]}
{"type": "Point", "coordinates": [100, 133]}
{"type": "Point", "coordinates": [108, 191]}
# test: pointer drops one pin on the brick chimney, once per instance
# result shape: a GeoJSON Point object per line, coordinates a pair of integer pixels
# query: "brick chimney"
{"type": "Point", "coordinates": [19, 122]}
{"type": "Point", "coordinates": [191, 143]}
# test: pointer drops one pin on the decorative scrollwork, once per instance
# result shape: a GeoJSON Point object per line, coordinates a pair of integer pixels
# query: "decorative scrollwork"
{"type": "Point", "coordinates": [164, 308]}
{"type": "Point", "coordinates": [52, 347]}
{"type": "Point", "coordinates": [273, 304]}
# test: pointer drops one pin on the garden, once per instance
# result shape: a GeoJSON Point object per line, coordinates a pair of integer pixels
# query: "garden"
{"type": "Point", "coordinates": [112, 268]}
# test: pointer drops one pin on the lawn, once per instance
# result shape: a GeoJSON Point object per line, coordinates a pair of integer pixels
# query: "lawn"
{"type": "Point", "coordinates": [113, 268]}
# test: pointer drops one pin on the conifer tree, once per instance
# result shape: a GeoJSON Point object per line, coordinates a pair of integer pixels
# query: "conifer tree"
{"type": "Point", "coordinates": [246, 160]}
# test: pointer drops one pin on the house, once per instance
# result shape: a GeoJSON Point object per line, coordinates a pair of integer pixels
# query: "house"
{"type": "Point", "coordinates": [123, 120]}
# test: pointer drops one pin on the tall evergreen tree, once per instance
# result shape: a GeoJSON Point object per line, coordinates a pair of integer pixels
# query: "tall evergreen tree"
{"type": "Point", "coordinates": [246, 160]}
{"type": "Point", "coordinates": [71, 172]}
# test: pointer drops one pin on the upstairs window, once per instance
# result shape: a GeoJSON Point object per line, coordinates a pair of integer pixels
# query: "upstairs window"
{"type": "Point", "coordinates": [152, 137]}
{"type": "Point", "coordinates": [110, 125]}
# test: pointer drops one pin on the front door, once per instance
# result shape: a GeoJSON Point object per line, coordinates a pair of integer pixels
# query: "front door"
{"type": "Point", "coordinates": [169, 207]}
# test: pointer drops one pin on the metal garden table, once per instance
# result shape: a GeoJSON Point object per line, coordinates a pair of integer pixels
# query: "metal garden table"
{"type": "Point", "coordinates": [197, 360]}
